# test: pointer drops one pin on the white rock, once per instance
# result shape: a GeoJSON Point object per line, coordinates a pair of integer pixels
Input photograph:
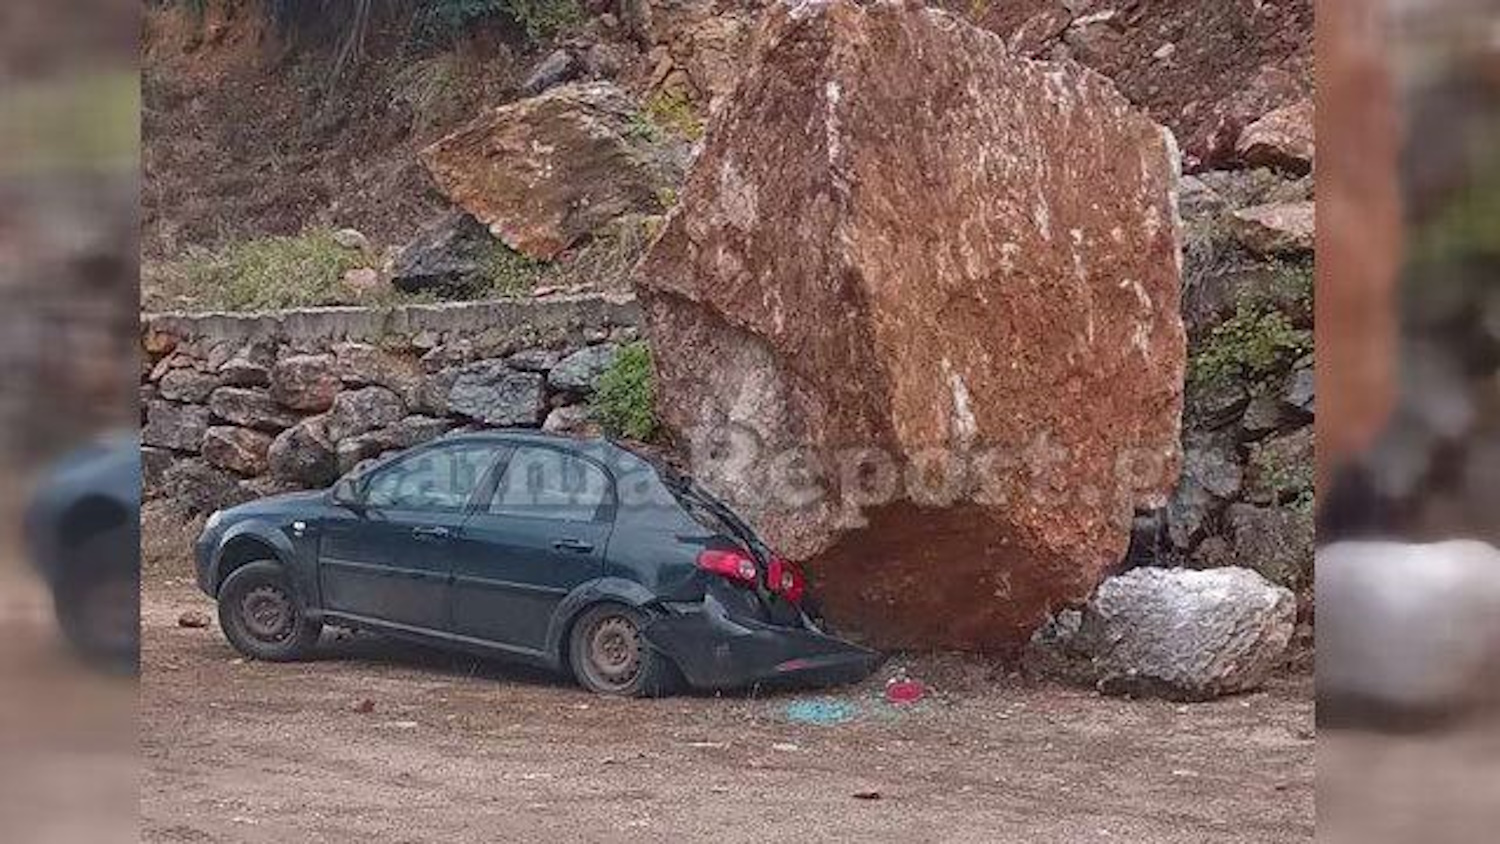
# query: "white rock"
{"type": "Point", "coordinates": [1407, 628]}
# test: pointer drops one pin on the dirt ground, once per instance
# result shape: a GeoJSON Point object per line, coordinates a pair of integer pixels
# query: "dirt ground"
{"type": "Point", "coordinates": [456, 750]}
{"type": "Point", "coordinates": [69, 764]}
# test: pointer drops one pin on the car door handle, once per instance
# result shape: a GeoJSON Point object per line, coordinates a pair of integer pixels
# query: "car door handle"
{"type": "Point", "coordinates": [431, 532]}
{"type": "Point", "coordinates": [572, 545]}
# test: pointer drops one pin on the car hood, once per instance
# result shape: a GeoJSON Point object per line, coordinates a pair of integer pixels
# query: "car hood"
{"type": "Point", "coordinates": [285, 503]}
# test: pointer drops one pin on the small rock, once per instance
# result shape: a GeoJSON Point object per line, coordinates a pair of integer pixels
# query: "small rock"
{"type": "Point", "coordinates": [364, 364]}
{"type": "Point", "coordinates": [179, 427]}
{"type": "Point", "coordinates": [194, 619]}
{"type": "Point", "coordinates": [196, 488]}
{"type": "Point", "coordinates": [250, 408]}
{"type": "Point", "coordinates": [572, 419]}
{"type": "Point", "coordinates": [578, 372]}
{"type": "Point", "coordinates": [187, 385]}
{"type": "Point", "coordinates": [361, 280]}
{"type": "Point", "coordinates": [1283, 139]}
{"type": "Point", "coordinates": [493, 393]}
{"type": "Point", "coordinates": [1164, 52]}
{"type": "Point", "coordinates": [303, 454]}
{"type": "Point", "coordinates": [240, 450]}
{"type": "Point", "coordinates": [364, 706]}
{"type": "Point", "coordinates": [534, 360]}
{"type": "Point", "coordinates": [447, 257]}
{"type": "Point", "coordinates": [1301, 391]}
{"type": "Point", "coordinates": [357, 411]}
{"type": "Point", "coordinates": [305, 382]}
{"type": "Point", "coordinates": [352, 239]}
{"type": "Point", "coordinates": [1264, 414]}
{"type": "Point", "coordinates": [1280, 228]}
{"type": "Point", "coordinates": [1276, 542]}
{"type": "Point", "coordinates": [867, 794]}
{"type": "Point", "coordinates": [559, 66]}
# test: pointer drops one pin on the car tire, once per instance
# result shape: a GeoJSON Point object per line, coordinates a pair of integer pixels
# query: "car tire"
{"type": "Point", "coordinates": [609, 656]}
{"type": "Point", "coordinates": [262, 616]}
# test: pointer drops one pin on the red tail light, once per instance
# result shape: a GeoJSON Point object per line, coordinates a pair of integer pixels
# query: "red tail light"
{"type": "Point", "coordinates": [735, 565]}
{"type": "Point", "coordinates": [786, 580]}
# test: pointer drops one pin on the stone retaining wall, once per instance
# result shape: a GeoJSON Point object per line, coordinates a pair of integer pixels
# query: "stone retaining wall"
{"type": "Point", "coordinates": [235, 406]}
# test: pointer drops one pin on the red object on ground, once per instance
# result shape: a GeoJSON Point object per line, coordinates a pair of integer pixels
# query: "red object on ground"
{"type": "Point", "coordinates": [905, 691]}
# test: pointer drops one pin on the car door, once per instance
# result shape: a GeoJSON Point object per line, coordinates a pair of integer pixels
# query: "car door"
{"type": "Point", "coordinates": [387, 559]}
{"type": "Point", "coordinates": [542, 533]}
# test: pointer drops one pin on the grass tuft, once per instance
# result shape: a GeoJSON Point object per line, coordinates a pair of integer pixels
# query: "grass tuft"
{"type": "Point", "coordinates": [624, 402]}
{"type": "Point", "coordinates": [262, 274]}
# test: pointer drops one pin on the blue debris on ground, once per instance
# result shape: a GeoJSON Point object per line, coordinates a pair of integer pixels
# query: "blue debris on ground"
{"type": "Point", "coordinates": [820, 711]}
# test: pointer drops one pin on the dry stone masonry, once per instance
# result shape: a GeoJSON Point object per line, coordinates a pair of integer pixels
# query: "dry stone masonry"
{"type": "Point", "coordinates": [239, 405]}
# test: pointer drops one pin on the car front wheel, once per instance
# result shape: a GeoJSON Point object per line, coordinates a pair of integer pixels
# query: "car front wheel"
{"type": "Point", "coordinates": [609, 656]}
{"type": "Point", "coordinates": [261, 617]}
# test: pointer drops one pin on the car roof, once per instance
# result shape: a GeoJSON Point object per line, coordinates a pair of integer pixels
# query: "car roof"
{"type": "Point", "coordinates": [600, 448]}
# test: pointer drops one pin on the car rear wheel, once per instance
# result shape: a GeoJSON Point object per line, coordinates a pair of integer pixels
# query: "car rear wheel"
{"type": "Point", "coordinates": [609, 656]}
{"type": "Point", "coordinates": [261, 616]}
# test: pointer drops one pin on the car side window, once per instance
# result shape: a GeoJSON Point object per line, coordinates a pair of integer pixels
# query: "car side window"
{"type": "Point", "coordinates": [440, 478]}
{"type": "Point", "coordinates": [544, 483]}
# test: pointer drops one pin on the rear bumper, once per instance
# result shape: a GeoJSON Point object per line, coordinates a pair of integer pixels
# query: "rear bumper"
{"type": "Point", "coordinates": [717, 650]}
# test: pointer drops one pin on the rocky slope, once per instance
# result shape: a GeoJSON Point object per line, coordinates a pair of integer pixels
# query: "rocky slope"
{"type": "Point", "coordinates": [241, 143]}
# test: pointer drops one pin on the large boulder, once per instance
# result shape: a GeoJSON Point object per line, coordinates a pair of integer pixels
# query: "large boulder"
{"type": "Point", "coordinates": [546, 171]}
{"type": "Point", "coordinates": [1176, 633]}
{"type": "Point", "coordinates": [1407, 630]}
{"type": "Point", "coordinates": [933, 351]}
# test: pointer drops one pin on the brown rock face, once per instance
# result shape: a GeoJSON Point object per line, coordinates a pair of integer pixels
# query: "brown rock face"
{"type": "Point", "coordinates": [545, 171]}
{"type": "Point", "coordinates": [916, 314]}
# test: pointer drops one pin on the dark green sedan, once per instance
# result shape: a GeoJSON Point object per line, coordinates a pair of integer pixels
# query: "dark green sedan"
{"type": "Point", "coordinates": [573, 554]}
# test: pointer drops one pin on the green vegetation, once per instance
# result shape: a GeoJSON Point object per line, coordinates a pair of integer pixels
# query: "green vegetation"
{"type": "Point", "coordinates": [429, 88]}
{"type": "Point", "coordinates": [1468, 226]}
{"type": "Point", "coordinates": [1248, 346]}
{"type": "Point", "coordinates": [261, 274]}
{"type": "Point", "coordinates": [348, 23]}
{"type": "Point", "coordinates": [672, 112]}
{"type": "Point", "coordinates": [543, 19]}
{"type": "Point", "coordinates": [512, 274]}
{"type": "Point", "coordinates": [624, 402]}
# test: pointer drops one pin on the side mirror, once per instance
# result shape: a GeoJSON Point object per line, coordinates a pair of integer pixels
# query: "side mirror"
{"type": "Point", "coordinates": [347, 492]}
